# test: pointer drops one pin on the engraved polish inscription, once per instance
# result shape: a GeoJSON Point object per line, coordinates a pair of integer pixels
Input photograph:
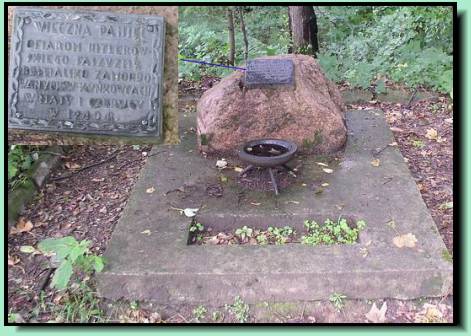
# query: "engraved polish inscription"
{"type": "Point", "coordinates": [269, 72]}
{"type": "Point", "coordinates": [87, 72]}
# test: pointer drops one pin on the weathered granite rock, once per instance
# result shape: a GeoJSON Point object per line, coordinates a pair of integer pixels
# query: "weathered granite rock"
{"type": "Point", "coordinates": [311, 113]}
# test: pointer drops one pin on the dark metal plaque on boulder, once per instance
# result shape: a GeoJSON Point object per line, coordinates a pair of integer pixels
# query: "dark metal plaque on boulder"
{"type": "Point", "coordinates": [86, 72]}
{"type": "Point", "coordinates": [269, 72]}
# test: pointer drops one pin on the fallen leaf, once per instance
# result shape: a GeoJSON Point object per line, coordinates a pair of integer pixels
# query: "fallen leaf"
{"type": "Point", "coordinates": [376, 315]}
{"type": "Point", "coordinates": [446, 205]}
{"type": "Point", "coordinates": [12, 261]}
{"type": "Point", "coordinates": [256, 204]}
{"type": "Point", "coordinates": [103, 210]}
{"type": "Point", "coordinates": [393, 144]}
{"type": "Point", "coordinates": [150, 190]}
{"type": "Point", "coordinates": [294, 202]}
{"type": "Point", "coordinates": [223, 178]}
{"type": "Point", "coordinates": [27, 249]}
{"type": "Point", "coordinates": [364, 252]}
{"type": "Point", "coordinates": [221, 164]}
{"type": "Point", "coordinates": [72, 165]}
{"type": "Point", "coordinates": [324, 185]}
{"type": "Point", "coordinates": [328, 170]}
{"type": "Point", "coordinates": [375, 162]}
{"type": "Point", "coordinates": [429, 314]}
{"type": "Point", "coordinates": [214, 240]}
{"type": "Point", "coordinates": [98, 179]}
{"type": "Point", "coordinates": [396, 129]}
{"type": "Point", "coordinates": [238, 169]}
{"type": "Point", "coordinates": [406, 240]}
{"type": "Point", "coordinates": [146, 232]}
{"type": "Point", "coordinates": [449, 120]}
{"type": "Point", "coordinates": [391, 224]}
{"type": "Point", "coordinates": [57, 299]}
{"type": "Point", "coordinates": [22, 226]}
{"type": "Point", "coordinates": [322, 164]}
{"type": "Point", "coordinates": [431, 134]}
{"type": "Point", "coordinates": [190, 212]}
{"type": "Point", "coordinates": [304, 184]}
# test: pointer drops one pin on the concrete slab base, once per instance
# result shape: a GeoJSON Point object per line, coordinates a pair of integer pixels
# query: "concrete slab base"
{"type": "Point", "coordinates": [161, 266]}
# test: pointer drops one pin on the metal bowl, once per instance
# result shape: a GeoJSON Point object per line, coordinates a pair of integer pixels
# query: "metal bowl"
{"type": "Point", "coordinates": [267, 152]}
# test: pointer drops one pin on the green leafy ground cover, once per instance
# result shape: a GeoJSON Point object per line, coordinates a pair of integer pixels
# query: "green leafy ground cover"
{"type": "Point", "coordinates": [362, 46]}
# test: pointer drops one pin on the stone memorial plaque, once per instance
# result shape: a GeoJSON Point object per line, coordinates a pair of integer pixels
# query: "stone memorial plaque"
{"type": "Point", "coordinates": [269, 72]}
{"type": "Point", "coordinates": [86, 72]}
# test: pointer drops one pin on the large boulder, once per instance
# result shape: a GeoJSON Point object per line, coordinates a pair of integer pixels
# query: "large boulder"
{"type": "Point", "coordinates": [311, 113]}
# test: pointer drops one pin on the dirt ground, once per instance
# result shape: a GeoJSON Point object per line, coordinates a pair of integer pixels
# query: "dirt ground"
{"type": "Point", "coordinates": [87, 203]}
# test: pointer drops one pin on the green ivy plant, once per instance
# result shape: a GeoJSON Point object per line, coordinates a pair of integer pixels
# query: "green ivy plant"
{"type": "Point", "coordinates": [337, 300]}
{"type": "Point", "coordinates": [71, 255]}
{"type": "Point", "coordinates": [244, 232]}
{"type": "Point", "coordinates": [331, 232]}
{"type": "Point", "coordinates": [195, 226]}
{"type": "Point", "coordinates": [20, 160]}
{"type": "Point", "coordinates": [281, 234]}
{"type": "Point", "coordinates": [199, 313]}
{"type": "Point", "coordinates": [239, 309]}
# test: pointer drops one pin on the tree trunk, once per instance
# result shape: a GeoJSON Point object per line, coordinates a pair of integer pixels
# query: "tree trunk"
{"type": "Point", "coordinates": [244, 32]}
{"type": "Point", "coordinates": [230, 27]}
{"type": "Point", "coordinates": [304, 29]}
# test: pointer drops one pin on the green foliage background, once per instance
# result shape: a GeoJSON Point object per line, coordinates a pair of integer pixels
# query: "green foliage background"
{"type": "Point", "coordinates": [360, 45]}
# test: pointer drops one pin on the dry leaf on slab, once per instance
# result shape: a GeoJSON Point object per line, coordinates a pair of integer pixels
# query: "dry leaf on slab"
{"type": "Point", "coordinates": [221, 163]}
{"type": "Point", "coordinates": [406, 240]}
{"type": "Point", "coordinates": [324, 185]}
{"type": "Point", "coordinates": [190, 212]}
{"type": "Point", "coordinates": [393, 144]}
{"type": "Point", "coordinates": [322, 164]}
{"type": "Point", "coordinates": [376, 315]}
{"type": "Point", "coordinates": [22, 226]}
{"type": "Point", "coordinates": [146, 232]}
{"type": "Point", "coordinates": [150, 190]}
{"type": "Point", "coordinates": [254, 203]}
{"type": "Point", "coordinates": [328, 170]}
{"type": "Point", "coordinates": [375, 162]}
